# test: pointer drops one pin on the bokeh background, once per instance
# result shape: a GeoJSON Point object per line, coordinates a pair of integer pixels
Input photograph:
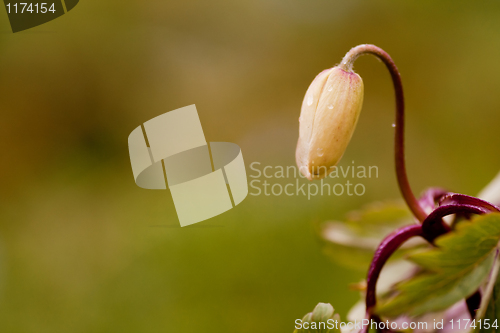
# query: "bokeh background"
{"type": "Point", "coordinates": [83, 249]}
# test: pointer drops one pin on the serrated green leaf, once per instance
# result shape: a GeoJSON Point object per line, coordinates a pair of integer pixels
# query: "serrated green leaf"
{"type": "Point", "coordinates": [452, 271]}
{"type": "Point", "coordinates": [352, 242]}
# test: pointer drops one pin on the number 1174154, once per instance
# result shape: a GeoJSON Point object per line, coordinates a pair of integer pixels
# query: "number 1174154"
{"type": "Point", "coordinates": [28, 7]}
{"type": "Point", "coordinates": [463, 324]}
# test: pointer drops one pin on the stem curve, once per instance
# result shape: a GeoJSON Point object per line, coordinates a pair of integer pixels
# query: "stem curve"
{"type": "Point", "coordinates": [404, 185]}
{"type": "Point", "coordinates": [385, 250]}
{"type": "Point", "coordinates": [432, 227]}
{"type": "Point", "coordinates": [457, 198]}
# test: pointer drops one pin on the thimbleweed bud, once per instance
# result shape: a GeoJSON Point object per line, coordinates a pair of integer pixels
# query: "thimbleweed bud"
{"type": "Point", "coordinates": [322, 319]}
{"type": "Point", "coordinates": [329, 114]}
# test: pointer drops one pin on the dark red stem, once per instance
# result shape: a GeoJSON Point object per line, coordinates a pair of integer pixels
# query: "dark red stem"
{"type": "Point", "coordinates": [388, 246]}
{"type": "Point", "coordinates": [433, 226]}
{"type": "Point", "coordinates": [456, 198]}
{"type": "Point", "coordinates": [399, 146]}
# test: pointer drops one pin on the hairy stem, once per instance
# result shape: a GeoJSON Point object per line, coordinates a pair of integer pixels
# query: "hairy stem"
{"type": "Point", "coordinates": [399, 148]}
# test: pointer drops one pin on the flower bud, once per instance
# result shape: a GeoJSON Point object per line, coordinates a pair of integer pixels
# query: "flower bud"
{"type": "Point", "coordinates": [322, 319]}
{"type": "Point", "coordinates": [322, 312]}
{"type": "Point", "coordinates": [329, 114]}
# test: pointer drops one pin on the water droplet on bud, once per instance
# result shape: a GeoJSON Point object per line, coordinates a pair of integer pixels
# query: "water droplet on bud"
{"type": "Point", "coordinates": [393, 125]}
{"type": "Point", "coordinates": [310, 100]}
{"type": "Point", "coordinates": [330, 106]}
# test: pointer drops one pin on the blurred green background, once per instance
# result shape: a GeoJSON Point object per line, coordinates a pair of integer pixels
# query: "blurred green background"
{"type": "Point", "coordinates": [83, 249]}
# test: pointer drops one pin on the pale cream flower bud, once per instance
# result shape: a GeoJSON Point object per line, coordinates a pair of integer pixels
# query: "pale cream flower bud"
{"type": "Point", "coordinates": [329, 114]}
{"type": "Point", "coordinates": [322, 319]}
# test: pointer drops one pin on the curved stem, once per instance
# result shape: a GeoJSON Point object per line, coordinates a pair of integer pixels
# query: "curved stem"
{"type": "Point", "coordinates": [433, 225]}
{"type": "Point", "coordinates": [457, 198]}
{"type": "Point", "coordinates": [399, 148]}
{"type": "Point", "coordinates": [388, 246]}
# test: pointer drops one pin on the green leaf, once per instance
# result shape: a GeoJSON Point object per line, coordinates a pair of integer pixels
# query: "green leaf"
{"type": "Point", "coordinates": [352, 242]}
{"type": "Point", "coordinates": [452, 271]}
